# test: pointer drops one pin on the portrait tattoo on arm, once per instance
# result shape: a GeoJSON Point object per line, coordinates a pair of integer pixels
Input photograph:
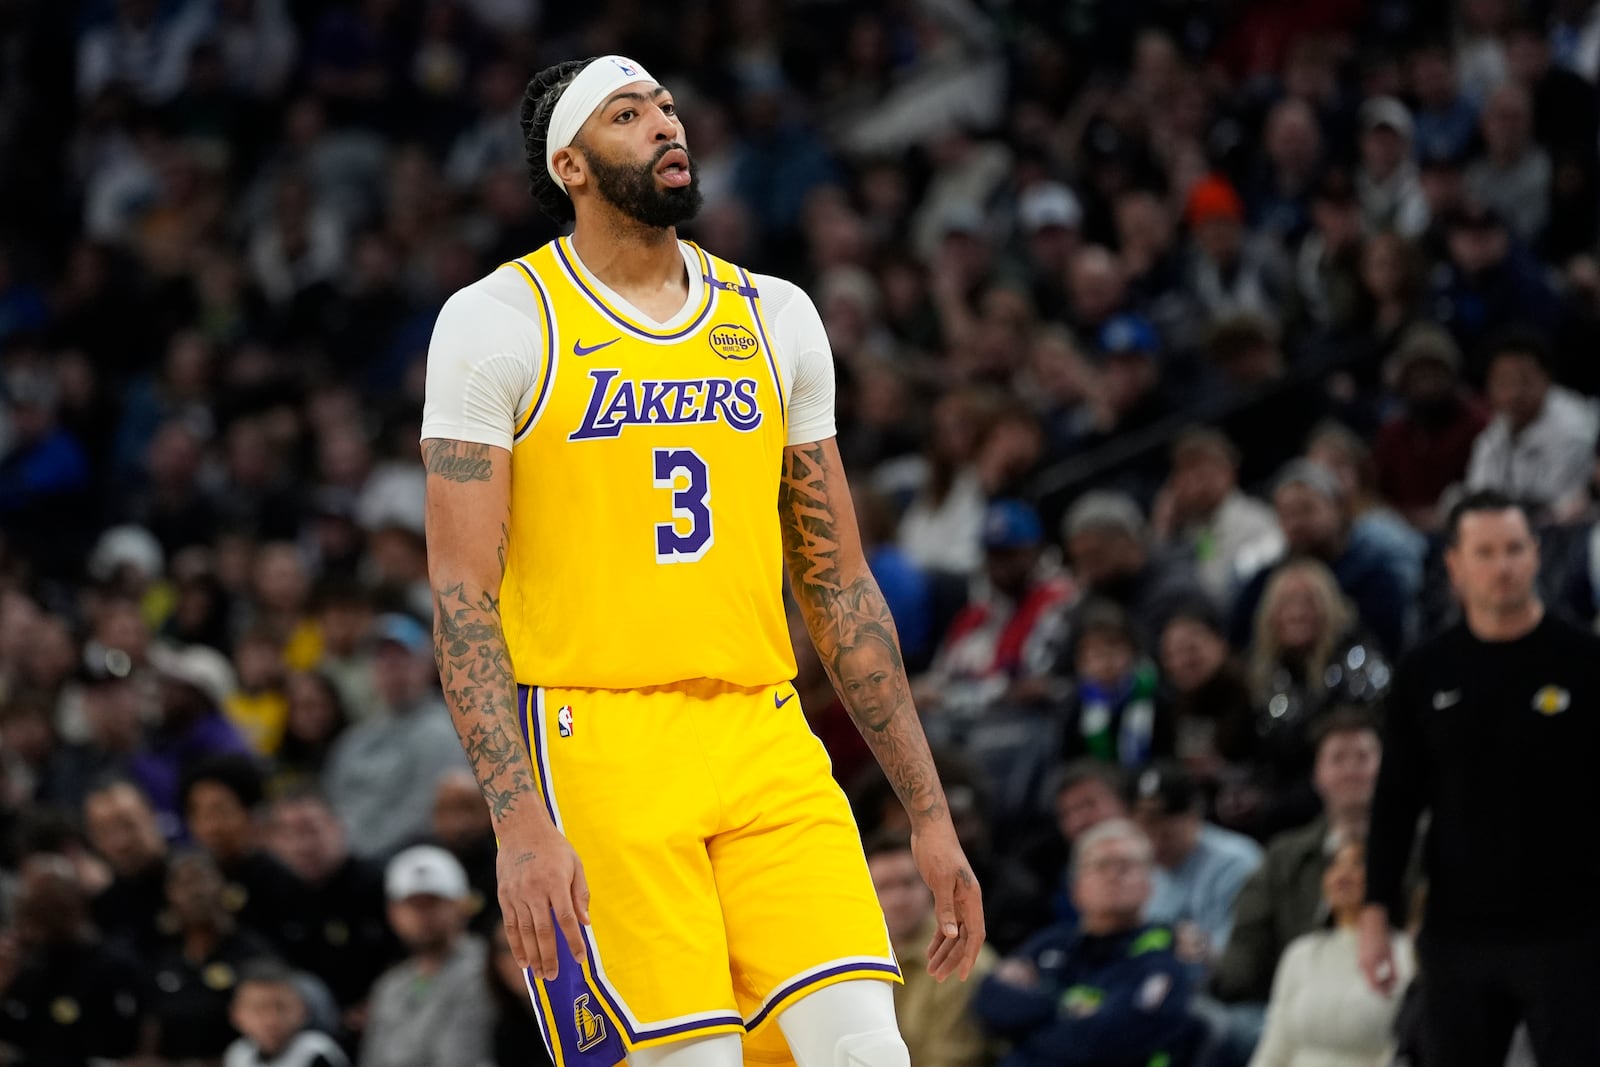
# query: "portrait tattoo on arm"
{"type": "Point", "coordinates": [850, 625]}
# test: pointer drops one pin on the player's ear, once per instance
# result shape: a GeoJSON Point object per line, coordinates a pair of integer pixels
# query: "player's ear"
{"type": "Point", "coordinates": [569, 164]}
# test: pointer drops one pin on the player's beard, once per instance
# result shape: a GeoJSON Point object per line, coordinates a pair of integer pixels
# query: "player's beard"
{"type": "Point", "coordinates": [634, 191]}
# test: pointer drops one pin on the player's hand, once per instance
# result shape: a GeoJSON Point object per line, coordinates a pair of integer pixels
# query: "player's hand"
{"type": "Point", "coordinates": [1374, 952]}
{"type": "Point", "coordinates": [542, 887]}
{"type": "Point", "coordinates": [957, 901]}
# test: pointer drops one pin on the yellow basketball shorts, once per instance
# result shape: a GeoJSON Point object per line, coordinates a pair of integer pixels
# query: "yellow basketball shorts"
{"type": "Point", "coordinates": [726, 872]}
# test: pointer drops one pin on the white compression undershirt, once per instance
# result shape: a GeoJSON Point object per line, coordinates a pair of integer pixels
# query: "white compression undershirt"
{"type": "Point", "coordinates": [487, 354]}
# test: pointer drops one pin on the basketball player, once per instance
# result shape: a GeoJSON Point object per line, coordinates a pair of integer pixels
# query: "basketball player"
{"type": "Point", "coordinates": [626, 439]}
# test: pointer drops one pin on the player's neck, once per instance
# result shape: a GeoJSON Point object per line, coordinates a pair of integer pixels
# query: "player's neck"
{"type": "Point", "coordinates": [640, 263]}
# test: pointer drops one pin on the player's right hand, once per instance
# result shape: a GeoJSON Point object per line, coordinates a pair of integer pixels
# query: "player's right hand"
{"type": "Point", "coordinates": [542, 887]}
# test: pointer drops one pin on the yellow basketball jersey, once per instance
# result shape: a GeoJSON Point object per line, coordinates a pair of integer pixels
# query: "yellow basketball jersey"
{"type": "Point", "coordinates": [645, 546]}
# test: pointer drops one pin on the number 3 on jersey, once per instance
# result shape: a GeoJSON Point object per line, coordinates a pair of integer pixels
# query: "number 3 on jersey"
{"type": "Point", "coordinates": [686, 538]}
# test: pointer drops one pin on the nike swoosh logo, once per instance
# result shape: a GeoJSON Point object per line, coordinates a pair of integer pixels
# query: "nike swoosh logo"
{"type": "Point", "coordinates": [579, 350]}
{"type": "Point", "coordinates": [778, 703]}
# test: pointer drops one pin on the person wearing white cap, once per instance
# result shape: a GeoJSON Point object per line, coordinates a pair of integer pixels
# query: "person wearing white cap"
{"type": "Point", "coordinates": [626, 440]}
{"type": "Point", "coordinates": [433, 1008]}
{"type": "Point", "coordinates": [1388, 184]}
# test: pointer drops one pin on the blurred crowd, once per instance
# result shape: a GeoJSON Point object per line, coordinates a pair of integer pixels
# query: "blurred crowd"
{"type": "Point", "coordinates": [1166, 332]}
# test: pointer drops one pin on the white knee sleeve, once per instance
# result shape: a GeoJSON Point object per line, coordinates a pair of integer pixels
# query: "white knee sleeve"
{"type": "Point", "coordinates": [880, 1048]}
{"type": "Point", "coordinates": [846, 1025]}
{"type": "Point", "coordinates": [718, 1050]}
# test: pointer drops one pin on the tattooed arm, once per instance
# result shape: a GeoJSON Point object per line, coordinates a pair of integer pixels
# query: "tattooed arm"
{"type": "Point", "coordinates": [468, 515]}
{"type": "Point", "coordinates": [850, 624]}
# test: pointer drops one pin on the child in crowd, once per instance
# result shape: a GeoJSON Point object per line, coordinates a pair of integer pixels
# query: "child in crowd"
{"type": "Point", "coordinates": [270, 1012]}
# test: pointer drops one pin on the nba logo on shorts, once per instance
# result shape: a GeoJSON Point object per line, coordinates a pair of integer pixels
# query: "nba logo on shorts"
{"type": "Point", "coordinates": [564, 720]}
{"type": "Point", "coordinates": [591, 1025]}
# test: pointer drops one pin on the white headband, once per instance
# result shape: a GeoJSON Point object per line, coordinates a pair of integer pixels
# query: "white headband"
{"type": "Point", "coordinates": [592, 87]}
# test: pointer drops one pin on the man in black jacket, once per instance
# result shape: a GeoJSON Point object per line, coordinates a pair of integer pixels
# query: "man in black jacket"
{"type": "Point", "coordinates": [1494, 728]}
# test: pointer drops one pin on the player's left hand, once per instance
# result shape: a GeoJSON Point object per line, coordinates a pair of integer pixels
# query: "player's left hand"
{"type": "Point", "coordinates": [957, 901]}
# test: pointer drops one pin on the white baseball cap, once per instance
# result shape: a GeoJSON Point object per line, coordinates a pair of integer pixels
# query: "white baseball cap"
{"type": "Point", "coordinates": [1048, 204]}
{"type": "Point", "coordinates": [425, 871]}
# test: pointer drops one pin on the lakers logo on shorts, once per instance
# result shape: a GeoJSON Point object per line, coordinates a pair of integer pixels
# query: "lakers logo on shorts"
{"type": "Point", "coordinates": [591, 1024]}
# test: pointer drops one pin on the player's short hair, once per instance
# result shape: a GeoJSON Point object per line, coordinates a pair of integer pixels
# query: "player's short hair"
{"type": "Point", "coordinates": [886, 842]}
{"type": "Point", "coordinates": [538, 103]}
{"type": "Point", "coordinates": [1479, 501]}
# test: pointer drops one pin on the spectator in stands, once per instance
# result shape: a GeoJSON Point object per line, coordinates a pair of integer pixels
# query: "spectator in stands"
{"type": "Point", "coordinates": [1391, 195]}
{"type": "Point", "coordinates": [935, 1018]}
{"type": "Point", "coordinates": [258, 708]}
{"type": "Point", "coordinates": [942, 528]}
{"type": "Point", "coordinates": [197, 964]}
{"type": "Point", "coordinates": [1279, 197]}
{"type": "Point", "coordinates": [65, 996]}
{"type": "Point", "coordinates": [316, 719]}
{"type": "Point", "coordinates": [1108, 547]}
{"type": "Point", "coordinates": [1425, 447]}
{"type": "Point", "coordinates": [1347, 457]}
{"type": "Point", "coordinates": [1316, 523]}
{"type": "Point", "coordinates": [1131, 393]}
{"type": "Point", "coordinates": [1118, 713]}
{"type": "Point", "coordinates": [1539, 447]}
{"type": "Point", "coordinates": [1230, 273]}
{"type": "Point", "coordinates": [1050, 219]}
{"type": "Point", "coordinates": [344, 619]}
{"type": "Point", "coordinates": [433, 1009]}
{"type": "Point", "coordinates": [518, 1038]}
{"type": "Point", "coordinates": [222, 803]}
{"type": "Point", "coordinates": [1283, 899]}
{"type": "Point", "coordinates": [44, 474]}
{"type": "Point", "coordinates": [1199, 866]}
{"type": "Point", "coordinates": [122, 829]}
{"type": "Point", "coordinates": [1514, 177]}
{"type": "Point", "coordinates": [1322, 1011]}
{"type": "Point", "coordinates": [1202, 513]}
{"type": "Point", "coordinates": [348, 942]}
{"type": "Point", "coordinates": [382, 772]}
{"type": "Point", "coordinates": [1212, 709]}
{"type": "Point", "coordinates": [1262, 405]}
{"type": "Point", "coordinates": [1310, 655]}
{"type": "Point", "coordinates": [1112, 990]}
{"type": "Point", "coordinates": [461, 826]}
{"type": "Point", "coordinates": [1000, 648]}
{"type": "Point", "coordinates": [1447, 118]}
{"type": "Point", "coordinates": [1392, 282]}
{"type": "Point", "coordinates": [907, 590]}
{"type": "Point", "coordinates": [270, 1013]}
{"type": "Point", "coordinates": [1488, 283]}
{"type": "Point", "coordinates": [193, 683]}
{"type": "Point", "coordinates": [1327, 267]}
